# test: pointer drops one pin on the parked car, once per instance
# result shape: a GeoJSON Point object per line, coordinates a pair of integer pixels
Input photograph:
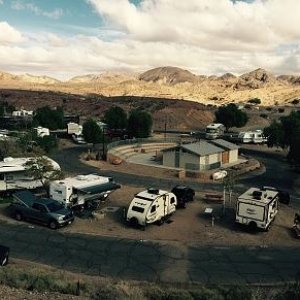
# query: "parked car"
{"type": "Point", "coordinates": [27, 206]}
{"type": "Point", "coordinates": [4, 254]}
{"type": "Point", "coordinates": [184, 194]}
{"type": "Point", "coordinates": [283, 196]}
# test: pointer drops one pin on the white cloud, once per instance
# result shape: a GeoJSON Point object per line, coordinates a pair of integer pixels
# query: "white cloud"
{"type": "Point", "coordinates": [8, 34]}
{"type": "Point", "coordinates": [20, 5]}
{"type": "Point", "coordinates": [204, 36]}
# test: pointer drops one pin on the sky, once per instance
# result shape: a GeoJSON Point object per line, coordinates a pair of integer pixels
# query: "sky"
{"type": "Point", "coordinates": [66, 38]}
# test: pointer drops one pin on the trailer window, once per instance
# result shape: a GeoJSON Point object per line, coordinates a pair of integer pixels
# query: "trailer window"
{"type": "Point", "coordinates": [172, 200]}
{"type": "Point", "coordinates": [138, 209]}
{"type": "Point", "coordinates": [153, 208]}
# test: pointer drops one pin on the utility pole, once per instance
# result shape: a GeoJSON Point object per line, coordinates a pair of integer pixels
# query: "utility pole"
{"type": "Point", "coordinates": [165, 135]}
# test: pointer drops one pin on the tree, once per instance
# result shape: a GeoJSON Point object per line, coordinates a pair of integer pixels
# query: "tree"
{"type": "Point", "coordinates": [42, 169]}
{"type": "Point", "coordinates": [139, 123]}
{"type": "Point", "coordinates": [115, 118]}
{"type": "Point", "coordinates": [275, 134]}
{"type": "Point", "coordinates": [6, 108]}
{"type": "Point", "coordinates": [91, 132]}
{"type": "Point", "coordinates": [50, 118]}
{"type": "Point", "coordinates": [231, 116]}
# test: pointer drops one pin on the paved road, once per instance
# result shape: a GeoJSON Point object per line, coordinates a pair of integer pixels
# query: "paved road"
{"type": "Point", "coordinates": [151, 261]}
{"type": "Point", "coordinates": [277, 173]}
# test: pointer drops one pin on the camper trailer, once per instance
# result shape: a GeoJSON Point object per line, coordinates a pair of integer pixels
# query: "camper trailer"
{"type": "Point", "coordinates": [13, 175]}
{"type": "Point", "coordinates": [257, 208]}
{"type": "Point", "coordinates": [150, 206]}
{"type": "Point", "coordinates": [214, 131]}
{"type": "Point", "coordinates": [253, 137]}
{"type": "Point", "coordinates": [82, 190]}
{"type": "Point", "coordinates": [74, 128]}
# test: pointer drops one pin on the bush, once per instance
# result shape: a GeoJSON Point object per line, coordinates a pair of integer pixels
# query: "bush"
{"type": "Point", "coordinates": [254, 101]}
{"type": "Point", "coordinates": [265, 116]}
{"type": "Point", "coordinates": [269, 108]}
{"type": "Point", "coordinates": [281, 110]}
{"type": "Point", "coordinates": [295, 101]}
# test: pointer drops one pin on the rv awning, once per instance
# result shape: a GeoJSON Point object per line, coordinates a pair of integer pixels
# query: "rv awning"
{"type": "Point", "coordinates": [100, 188]}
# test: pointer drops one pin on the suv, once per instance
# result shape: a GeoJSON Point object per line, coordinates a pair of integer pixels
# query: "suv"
{"type": "Point", "coordinates": [184, 194]}
{"type": "Point", "coordinates": [42, 210]}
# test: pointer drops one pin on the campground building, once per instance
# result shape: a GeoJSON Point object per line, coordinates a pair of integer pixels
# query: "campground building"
{"type": "Point", "coordinates": [201, 155]}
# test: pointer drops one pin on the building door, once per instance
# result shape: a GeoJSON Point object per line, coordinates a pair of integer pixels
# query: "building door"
{"type": "Point", "coordinates": [225, 157]}
{"type": "Point", "coordinates": [177, 158]}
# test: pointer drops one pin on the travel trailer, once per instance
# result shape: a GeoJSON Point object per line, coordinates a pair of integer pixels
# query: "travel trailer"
{"type": "Point", "coordinates": [253, 137]}
{"type": "Point", "coordinates": [13, 175]}
{"type": "Point", "coordinates": [74, 128]}
{"type": "Point", "coordinates": [82, 190]}
{"type": "Point", "coordinates": [214, 131]}
{"type": "Point", "coordinates": [257, 208]}
{"type": "Point", "coordinates": [150, 206]}
{"type": "Point", "coordinates": [41, 131]}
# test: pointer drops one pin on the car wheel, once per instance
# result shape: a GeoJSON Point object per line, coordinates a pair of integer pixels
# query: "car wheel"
{"type": "Point", "coordinates": [18, 216]}
{"type": "Point", "coordinates": [53, 225]}
{"type": "Point", "coordinates": [134, 222]}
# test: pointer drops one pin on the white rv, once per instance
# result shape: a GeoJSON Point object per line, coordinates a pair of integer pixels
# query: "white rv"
{"type": "Point", "coordinates": [74, 128]}
{"type": "Point", "coordinates": [150, 206]}
{"type": "Point", "coordinates": [13, 175]}
{"type": "Point", "coordinates": [214, 131]}
{"type": "Point", "coordinates": [41, 131]}
{"type": "Point", "coordinates": [257, 208]}
{"type": "Point", "coordinates": [254, 137]}
{"type": "Point", "coordinates": [82, 190]}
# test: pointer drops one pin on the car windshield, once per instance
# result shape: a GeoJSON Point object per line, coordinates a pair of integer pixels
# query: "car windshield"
{"type": "Point", "coordinates": [211, 130]}
{"type": "Point", "coordinates": [54, 206]}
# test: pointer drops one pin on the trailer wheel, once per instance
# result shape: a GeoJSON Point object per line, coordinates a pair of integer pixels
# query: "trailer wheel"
{"type": "Point", "coordinates": [252, 226]}
{"type": "Point", "coordinates": [134, 222]}
{"type": "Point", "coordinates": [161, 221]}
{"type": "Point", "coordinates": [268, 228]}
{"type": "Point", "coordinates": [18, 216]}
{"type": "Point", "coordinates": [53, 225]}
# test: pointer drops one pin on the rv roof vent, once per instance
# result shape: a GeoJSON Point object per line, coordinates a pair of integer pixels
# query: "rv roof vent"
{"type": "Point", "coordinates": [81, 177]}
{"type": "Point", "coordinates": [257, 195]}
{"type": "Point", "coordinates": [154, 191]}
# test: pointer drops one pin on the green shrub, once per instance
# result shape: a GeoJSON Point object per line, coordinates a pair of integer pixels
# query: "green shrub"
{"type": "Point", "coordinates": [281, 110]}
{"type": "Point", "coordinates": [295, 101]}
{"type": "Point", "coordinates": [254, 101]}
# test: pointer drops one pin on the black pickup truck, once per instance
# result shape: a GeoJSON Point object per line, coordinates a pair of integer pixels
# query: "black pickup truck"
{"type": "Point", "coordinates": [41, 210]}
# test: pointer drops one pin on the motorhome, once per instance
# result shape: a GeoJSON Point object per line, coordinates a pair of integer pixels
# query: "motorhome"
{"type": "Point", "coordinates": [13, 174]}
{"type": "Point", "coordinates": [253, 137]}
{"type": "Point", "coordinates": [150, 206]}
{"type": "Point", "coordinates": [82, 190]}
{"type": "Point", "coordinates": [257, 208]}
{"type": "Point", "coordinates": [74, 128]}
{"type": "Point", "coordinates": [214, 131]}
{"type": "Point", "coordinates": [41, 131]}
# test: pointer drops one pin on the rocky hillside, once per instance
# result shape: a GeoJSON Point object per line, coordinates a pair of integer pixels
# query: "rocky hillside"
{"type": "Point", "coordinates": [170, 82]}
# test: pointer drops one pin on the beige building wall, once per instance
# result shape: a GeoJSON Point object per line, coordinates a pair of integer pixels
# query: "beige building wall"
{"type": "Point", "coordinates": [233, 155]}
{"type": "Point", "coordinates": [188, 158]}
{"type": "Point", "coordinates": [213, 158]}
{"type": "Point", "coordinates": [169, 158]}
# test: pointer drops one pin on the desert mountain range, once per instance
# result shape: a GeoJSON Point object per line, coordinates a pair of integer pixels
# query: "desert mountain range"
{"type": "Point", "coordinates": [170, 82]}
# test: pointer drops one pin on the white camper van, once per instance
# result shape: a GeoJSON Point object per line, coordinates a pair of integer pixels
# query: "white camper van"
{"type": "Point", "coordinates": [254, 137]}
{"type": "Point", "coordinates": [150, 206]}
{"type": "Point", "coordinates": [82, 190]}
{"type": "Point", "coordinates": [257, 208]}
{"type": "Point", "coordinates": [13, 175]}
{"type": "Point", "coordinates": [214, 131]}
